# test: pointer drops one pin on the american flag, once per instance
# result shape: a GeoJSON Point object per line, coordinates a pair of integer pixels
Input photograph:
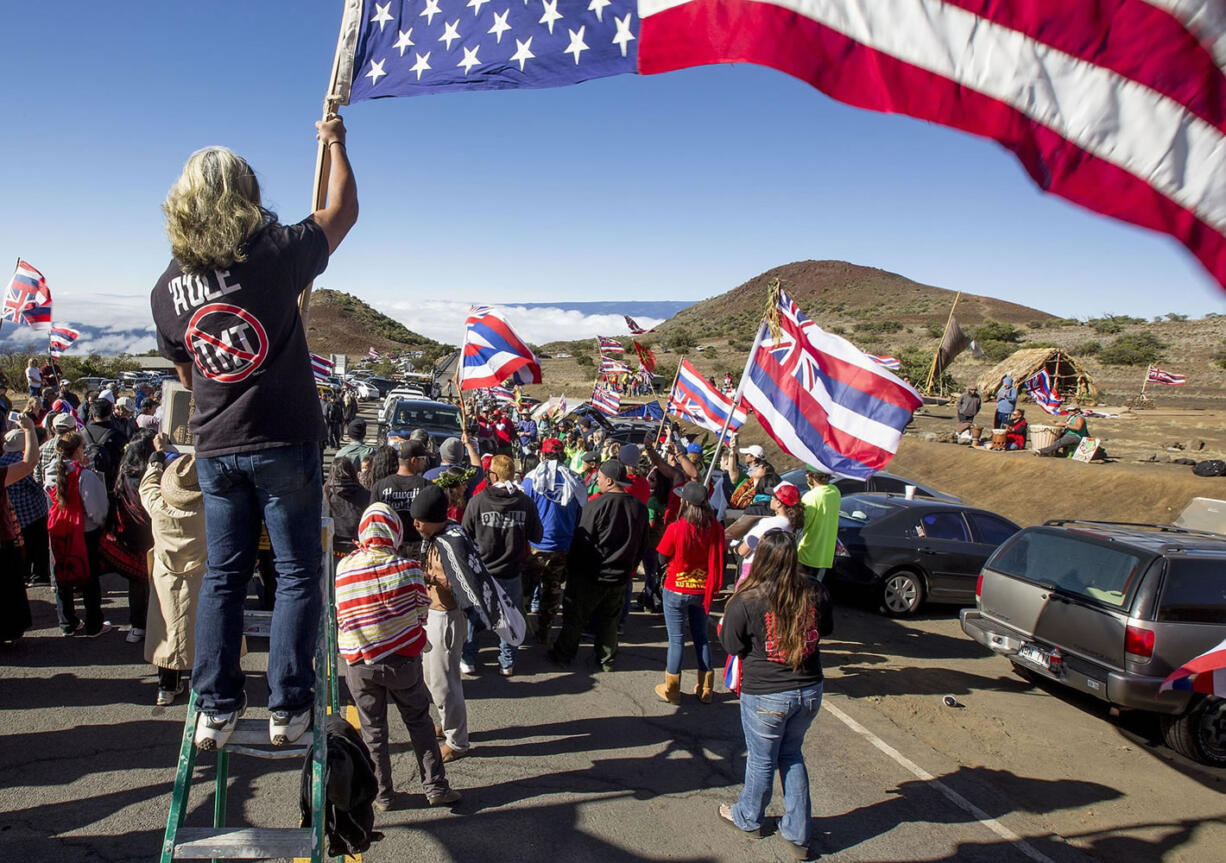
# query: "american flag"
{"type": "Point", "coordinates": [821, 399]}
{"type": "Point", "coordinates": [1156, 375]}
{"type": "Point", "coordinates": [1040, 389]}
{"type": "Point", "coordinates": [1116, 106]}
{"type": "Point", "coordinates": [605, 400]}
{"type": "Point", "coordinates": [62, 337]}
{"type": "Point", "coordinates": [609, 346]}
{"type": "Point", "coordinates": [322, 367]}
{"type": "Point", "coordinates": [890, 363]}
{"type": "Point", "coordinates": [28, 299]}
{"type": "Point", "coordinates": [694, 399]}
{"type": "Point", "coordinates": [635, 329]}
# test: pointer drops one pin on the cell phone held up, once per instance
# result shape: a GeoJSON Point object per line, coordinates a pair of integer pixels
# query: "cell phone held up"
{"type": "Point", "coordinates": [15, 418]}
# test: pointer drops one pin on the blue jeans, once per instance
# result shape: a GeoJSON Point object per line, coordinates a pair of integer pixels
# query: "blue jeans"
{"type": "Point", "coordinates": [775, 727]}
{"type": "Point", "coordinates": [678, 608]}
{"type": "Point", "coordinates": [651, 573]}
{"type": "Point", "coordinates": [284, 485]}
{"type": "Point", "coordinates": [514, 589]}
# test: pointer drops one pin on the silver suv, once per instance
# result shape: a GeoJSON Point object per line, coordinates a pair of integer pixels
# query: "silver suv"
{"type": "Point", "coordinates": [1111, 610]}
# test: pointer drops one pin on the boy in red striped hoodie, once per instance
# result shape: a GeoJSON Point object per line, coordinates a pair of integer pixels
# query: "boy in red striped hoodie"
{"type": "Point", "coordinates": [380, 603]}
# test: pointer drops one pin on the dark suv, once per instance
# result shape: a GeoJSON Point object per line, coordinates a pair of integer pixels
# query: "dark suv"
{"type": "Point", "coordinates": [1111, 610]}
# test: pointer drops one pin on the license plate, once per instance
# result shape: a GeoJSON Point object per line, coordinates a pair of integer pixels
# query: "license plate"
{"type": "Point", "coordinates": [1035, 654]}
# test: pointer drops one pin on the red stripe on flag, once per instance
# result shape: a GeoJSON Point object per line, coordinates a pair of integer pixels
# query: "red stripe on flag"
{"type": "Point", "coordinates": [851, 72]}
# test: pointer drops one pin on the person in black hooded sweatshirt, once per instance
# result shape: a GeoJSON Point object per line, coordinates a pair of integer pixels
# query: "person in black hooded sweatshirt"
{"type": "Point", "coordinates": [503, 520]}
{"type": "Point", "coordinates": [347, 500]}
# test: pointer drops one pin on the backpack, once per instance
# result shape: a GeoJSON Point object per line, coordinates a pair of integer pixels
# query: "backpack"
{"type": "Point", "coordinates": [1210, 467]}
{"type": "Point", "coordinates": [100, 455]}
{"type": "Point", "coordinates": [350, 789]}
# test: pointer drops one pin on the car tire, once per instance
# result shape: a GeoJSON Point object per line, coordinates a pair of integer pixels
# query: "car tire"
{"type": "Point", "coordinates": [902, 592]}
{"type": "Point", "coordinates": [1200, 733]}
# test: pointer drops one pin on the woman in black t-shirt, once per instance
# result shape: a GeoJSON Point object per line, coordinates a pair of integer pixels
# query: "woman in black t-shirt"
{"type": "Point", "coordinates": [774, 622]}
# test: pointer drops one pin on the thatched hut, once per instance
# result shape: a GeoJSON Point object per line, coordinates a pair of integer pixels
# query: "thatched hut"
{"type": "Point", "coordinates": [1068, 377]}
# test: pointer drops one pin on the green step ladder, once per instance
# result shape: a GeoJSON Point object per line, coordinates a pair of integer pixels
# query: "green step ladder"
{"type": "Point", "coordinates": [250, 738]}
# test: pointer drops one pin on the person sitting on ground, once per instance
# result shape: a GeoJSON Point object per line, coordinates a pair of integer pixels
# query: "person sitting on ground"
{"type": "Point", "coordinates": [446, 625]}
{"type": "Point", "coordinates": [967, 407]}
{"type": "Point", "coordinates": [170, 494]}
{"type": "Point", "coordinates": [694, 548]}
{"type": "Point", "coordinates": [773, 624]}
{"type": "Point", "coordinates": [1075, 429]}
{"type": "Point", "coordinates": [1017, 430]}
{"type": "Point", "coordinates": [503, 521]}
{"type": "Point", "coordinates": [788, 516]}
{"type": "Point", "coordinates": [346, 500]}
{"type": "Point", "coordinates": [380, 603]}
{"type": "Point", "coordinates": [357, 448]}
{"type": "Point", "coordinates": [604, 553]}
{"type": "Point", "coordinates": [821, 530]}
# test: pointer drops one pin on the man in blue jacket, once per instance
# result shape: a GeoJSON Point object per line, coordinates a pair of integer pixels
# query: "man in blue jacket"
{"type": "Point", "coordinates": [559, 496]}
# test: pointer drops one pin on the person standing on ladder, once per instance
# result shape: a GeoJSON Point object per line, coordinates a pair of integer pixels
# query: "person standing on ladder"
{"type": "Point", "coordinates": [227, 315]}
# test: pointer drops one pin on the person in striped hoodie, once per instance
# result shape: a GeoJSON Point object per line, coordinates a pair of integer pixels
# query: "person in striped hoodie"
{"type": "Point", "coordinates": [381, 601]}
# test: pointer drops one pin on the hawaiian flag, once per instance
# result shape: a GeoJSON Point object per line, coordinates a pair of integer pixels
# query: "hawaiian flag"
{"type": "Point", "coordinates": [502, 394]}
{"type": "Point", "coordinates": [322, 367]}
{"type": "Point", "coordinates": [821, 399]}
{"type": "Point", "coordinates": [1040, 389]}
{"type": "Point", "coordinates": [28, 300]}
{"type": "Point", "coordinates": [62, 337]}
{"type": "Point", "coordinates": [886, 362]}
{"type": "Point", "coordinates": [1156, 375]}
{"type": "Point", "coordinates": [635, 329]}
{"type": "Point", "coordinates": [609, 346]}
{"type": "Point", "coordinates": [1205, 674]}
{"type": "Point", "coordinates": [373, 354]}
{"type": "Point", "coordinates": [492, 352]}
{"type": "Point", "coordinates": [613, 367]}
{"type": "Point", "coordinates": [694, 399]}
{"type": "Point", "coordinates": [605, 400]}
{"type": "Point", "coordinates": [646, 358]}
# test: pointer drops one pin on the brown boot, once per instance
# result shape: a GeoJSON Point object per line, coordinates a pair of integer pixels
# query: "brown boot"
{"type": "Point", "coordinates": [670, 689]}
{"type": "Point", "coordinates": [705, 685]}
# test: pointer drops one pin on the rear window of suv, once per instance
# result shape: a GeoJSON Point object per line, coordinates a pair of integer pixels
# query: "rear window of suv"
{"type": "Point", "coordinates": [1194, 591]}
{"type": "Point", "coordinates": [1072, 565]}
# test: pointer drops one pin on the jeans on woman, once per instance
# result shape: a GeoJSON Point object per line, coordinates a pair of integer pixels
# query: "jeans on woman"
{"type": "Point", "coordinates": [651, 575]}
{"type": "Point", "coordinates": [678, 609]}
{"type": "Point", "coordinates": [775, 726]}
{"type": "Point", "coordinates": [284, 486]}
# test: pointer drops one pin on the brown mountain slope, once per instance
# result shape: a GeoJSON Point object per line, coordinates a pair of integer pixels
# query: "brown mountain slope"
{"type": "Point", "coordinates": [837, 290]}
{"type": "Point", "coordinates": [343, 324]}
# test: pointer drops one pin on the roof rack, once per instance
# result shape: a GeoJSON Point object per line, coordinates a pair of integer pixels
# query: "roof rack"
{"type": "Point", "coordinates": [1160, 528]}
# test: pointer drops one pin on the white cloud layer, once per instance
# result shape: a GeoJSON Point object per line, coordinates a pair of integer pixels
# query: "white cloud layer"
{"type": "Point", "coordinates": [443, 320]}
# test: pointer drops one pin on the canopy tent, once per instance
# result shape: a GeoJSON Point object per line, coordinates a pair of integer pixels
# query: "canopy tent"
{"type": "Point", "coordinates": [650, 411]}
{"type": "Point", "coordinates": [1069, 379]}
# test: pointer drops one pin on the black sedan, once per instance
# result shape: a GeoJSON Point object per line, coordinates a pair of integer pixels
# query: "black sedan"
{"type": "Point", "coordinates": [907, 552]}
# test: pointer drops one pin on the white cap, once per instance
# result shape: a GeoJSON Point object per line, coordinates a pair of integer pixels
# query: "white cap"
{"type": "Point", "coordinates": [753, 450]}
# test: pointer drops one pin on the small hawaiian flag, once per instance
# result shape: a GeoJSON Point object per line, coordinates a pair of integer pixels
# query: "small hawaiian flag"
{"type": "Point", "coordinates": [62, 337]}
{"type": "Point", "coordinates": [1156, 375]}
{"type": "Point", "coordinates": [890, 363]}
{"type": "Point", "coordinates": [28, 299]}
{"type": "Point", "coordinates": [609, 346]}
{"type": "Point", "coordinates": [374, 355]}
{"type": "Point", "coordinates": [322, 366]}
{"type": "Point", "coordinates": [635, 329]}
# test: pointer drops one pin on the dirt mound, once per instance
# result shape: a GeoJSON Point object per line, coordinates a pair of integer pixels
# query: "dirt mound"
{"type": "Point", "coordinates": [343, 324]}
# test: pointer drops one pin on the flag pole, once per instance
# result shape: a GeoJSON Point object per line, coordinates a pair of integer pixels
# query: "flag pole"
{"type": "Point", "coordinates": [932, 371]}
{"type": "Point", "coordinates": [736, 397]}
{"type": "Point", "coordinates": [338, 94]}
{"type": "Point", "coordinates": [664, 413]}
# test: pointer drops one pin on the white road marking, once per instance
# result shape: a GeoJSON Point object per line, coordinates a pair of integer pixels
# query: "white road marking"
{"type": "Point", "coordinates": [957, 799]}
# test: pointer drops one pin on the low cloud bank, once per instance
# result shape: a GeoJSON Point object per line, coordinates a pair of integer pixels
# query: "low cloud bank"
{"type": "Point", "coordinates": [443, 320]}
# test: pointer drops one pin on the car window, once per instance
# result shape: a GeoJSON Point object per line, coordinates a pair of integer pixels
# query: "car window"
{"type": "Point", "coordinates": [427, 416]}
{"type": "Point", "coordinates": [1194, 591]}
{"type": "Point", "coordinates": [1072, 565]}
{"type": "Point", "coordinates": [887, 484]}
{"type": "Point", "coordinates": [864, 509]}
{"type": "Point", "coordinates": [846, 486]}
{"type": "Point", "coordinates": [941, 525]}
{"type": "Point", "coordinates": [991, 530]}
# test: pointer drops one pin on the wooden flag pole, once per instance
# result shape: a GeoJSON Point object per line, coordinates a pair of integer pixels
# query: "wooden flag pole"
{"type": "Point", "coordinates": [932, 371]}
{"type": "Point", "coordinates": [664, 413]}
{"type": "Point", "coordinates": [337, 95]}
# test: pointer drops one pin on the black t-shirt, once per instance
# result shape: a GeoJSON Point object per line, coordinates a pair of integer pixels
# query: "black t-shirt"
{"type": "Point", "coordinates": [240, 327]}
{"type": "Point", "coordinates": [398, 492]}
{"type": "Point", "coordinates": [748, 632]}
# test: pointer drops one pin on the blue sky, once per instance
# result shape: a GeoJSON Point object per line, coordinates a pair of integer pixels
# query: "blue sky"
{"type": "Point", "coordinates": [677, 186]}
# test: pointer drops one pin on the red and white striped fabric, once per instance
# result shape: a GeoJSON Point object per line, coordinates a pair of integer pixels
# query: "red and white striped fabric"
{"type": "Point", "coordinates": [1156, 375]}
{"type": "Point", "coordinates": [322, 367]}
{"type": "Point", "coordinates": [605, 400]}
{"type": "Point", "coordinates": [1116, 105]}
{"type": "Point", "coordinates": [61, 339]}
{"type": "Point", "coordinates": [1205, 674]}
{"type": "Point", "coordinates": [609, 346]}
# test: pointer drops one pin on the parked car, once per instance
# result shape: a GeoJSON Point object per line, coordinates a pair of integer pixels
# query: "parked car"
{"type": "Point", "coordinates": [383, 385]}
{"type": "Point", "coordinates": [907, 552]}
{"type": "Point", "coordinates": [618, 429]}
{"type": "Point", "coordinates": [440, 419]}
{"type": "Point", "coordinates": [396, 394]}
{"type": "Point", "coordinates": [879, 482]}
{"type": "Point", "coordinates": [1111, 610]}
{"type": "Point", "coordinates": [82, 385]}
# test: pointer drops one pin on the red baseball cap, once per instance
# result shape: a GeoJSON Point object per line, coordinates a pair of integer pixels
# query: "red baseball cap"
{"type": "Point", "coordinates": [788, 494]}
{"type": "Point", "coordinates": [551, 444]}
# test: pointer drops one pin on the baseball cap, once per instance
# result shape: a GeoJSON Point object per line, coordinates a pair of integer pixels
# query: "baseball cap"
{"type": "Point", "coordinates": [629, 454]}
{"type": "Point", "coordinates": [694, 447]}
{"type": "Point", "coordinates": [753, 450]}
{"type": "Point", "coordinates": [590, 456]}
{"type": "Point", "coordinates": [788, 494]}
{"type": "Point", "coordinates": [551, 444]}
{"type": "Point", "coordinates": [127, 403]}
{"type": "Point", "coordinates": [693, 492]}
{"type": "Point", "coordinates": [411, 449]}
{"type": "Point", "coordinates": [64, 423]}
{"type": "Point", "coordinates": [615, 471]}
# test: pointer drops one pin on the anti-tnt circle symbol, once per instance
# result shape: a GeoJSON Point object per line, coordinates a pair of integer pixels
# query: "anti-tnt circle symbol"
{"type": "Point", "coordinates": [227, 343]}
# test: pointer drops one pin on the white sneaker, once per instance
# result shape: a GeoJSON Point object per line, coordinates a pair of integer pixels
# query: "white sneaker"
{"type": "Point", "coordinates": [135, 635]}
{"type": "Point", "coordinates": [213, 730]}
{"type": "Point", "coordinates": [284, 728]}
{"type": "Point", "coordinates": [465, 668]}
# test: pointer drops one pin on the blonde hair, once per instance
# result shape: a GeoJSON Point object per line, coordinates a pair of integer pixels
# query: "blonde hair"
{"type": "Point", "coordinates": [212, 210]}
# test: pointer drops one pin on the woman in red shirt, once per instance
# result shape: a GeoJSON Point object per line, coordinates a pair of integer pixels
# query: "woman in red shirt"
{"type": "Point", "coordinates": [694, 546]}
